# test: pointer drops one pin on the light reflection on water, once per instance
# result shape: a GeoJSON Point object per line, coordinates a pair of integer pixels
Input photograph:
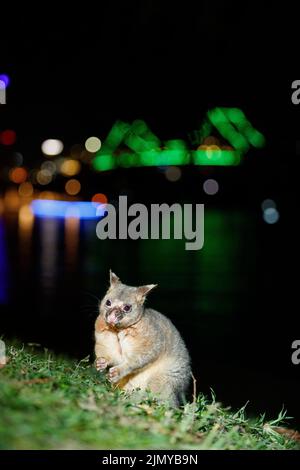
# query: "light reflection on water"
{"type": "Point", "coordinates": [56, 252]}
{"type": "Point", "coordinates": [72, 233]}
{"type": "Point", "coordinates": [49, 252]}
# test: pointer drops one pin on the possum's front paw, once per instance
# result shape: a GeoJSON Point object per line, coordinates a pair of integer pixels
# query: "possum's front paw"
{"type": "Point", "coordinates": [114, 374]}
{"type": "Point", "coordinates": [101, 364]}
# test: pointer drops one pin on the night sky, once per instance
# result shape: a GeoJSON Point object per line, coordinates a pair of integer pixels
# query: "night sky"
{"type": "Point", "coordinates": [74, 73]}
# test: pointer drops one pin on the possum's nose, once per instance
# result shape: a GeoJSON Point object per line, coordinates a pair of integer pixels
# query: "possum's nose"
{"type": "Point", "coordinates": [113, 316]}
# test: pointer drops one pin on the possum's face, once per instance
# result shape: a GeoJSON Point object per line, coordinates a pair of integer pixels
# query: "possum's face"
{"type": "Point", "coordinates": [122, 305]}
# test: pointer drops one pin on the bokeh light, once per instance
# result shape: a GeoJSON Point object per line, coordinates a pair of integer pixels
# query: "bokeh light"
{"type": "Point", "coordinates": [99, 198]}
{"type": "Point", "coordinates": [5, 79]}
{"type": "Point", "coordinates": [257, 139]}
{"type": "Point", "coordinates": [104, 162]}
{"type": "Point", "coordinates": [72, 187]}
{"type": "Point", "coordinates": [213, 152]}
{"type": "Point", "coordinates": [48, 195]}
{"type": "Point", "coordinates": [11, 200]}
{"type": "Point", "coordinates": [18, 175]}
{"type": "Point", "coordinates": [49, 166]}
{"type": "Point", "coordinates": [51, 208]}
{"type": "Point", "coordinates": [72, 213]}
{"type": "Point", "coordinates": [233, 125]}
{"type": "Point", "coordinates": [271, 215]}
{"type": "Point", "coordinates": [52, 147]}
{"type": "Point", "coordinates": [25, 189]}
{"type": "Point", "coordinates": [8, 137]}
{"type": "Point", "coordinates": [93, 144]}
{"type": "Point", "coordinates": [216, 157]}
{"type": "Point", "coordinates": [173, 173]}
{"type": "Point", "coordinates": [17, 159]}
{"type": "Point", "coordinates": [211, 187]}
{"type": "Point", "coordinates": [70, 167]}
{"type": "Point", "coordinates": [267, 204]}
{"type": "Point", "coordinates": [44, 177]}
{"type": "Point", "coordinates": [26, 217]}
{"type": "Point", "coordinates": [211, 140]}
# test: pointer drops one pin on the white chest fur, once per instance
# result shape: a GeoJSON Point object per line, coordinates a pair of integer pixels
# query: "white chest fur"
{"type": "Point", "coordinates": [124, 341]}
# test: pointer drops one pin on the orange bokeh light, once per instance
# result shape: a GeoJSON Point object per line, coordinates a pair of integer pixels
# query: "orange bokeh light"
{"type": "Point", "coordinates": [72, 187]}
{"type": "Point", "coordinates": [70, 167]}
{"type": "Point", "coordinates": [99, 198]}
{"type": "Point", "coordinates": [25, 189]}
{"type": "Point", "coordinates": [18, 175]}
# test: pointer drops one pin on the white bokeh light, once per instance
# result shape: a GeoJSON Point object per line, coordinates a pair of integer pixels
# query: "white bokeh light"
{"type": "Point", "coordinates": [92, 144]}
{"type": "Point", "coordinates": [52, 147]}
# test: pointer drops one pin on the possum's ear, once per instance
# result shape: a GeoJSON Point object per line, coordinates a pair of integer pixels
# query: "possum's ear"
{"type": "Point", "coordinates": [144, 290]}
{"type": "Point", "coordinates": [114, 280]}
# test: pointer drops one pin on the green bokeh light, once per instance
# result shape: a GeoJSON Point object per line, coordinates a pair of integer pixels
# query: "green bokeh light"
{"type": "Point", "coordinates": [164, 157]}
{"type": "Point", "coordinates": [127, 160]}
{"type": "Point", "coordinates": [137, 143]}
{"type": "Point", "coordinates": [235, 115]}
{"type": "Point", "coordinates": [145, 147]}
{"type": "Point", "coordinates": [116, 135]}
{"type": "Point", "coordinates": [175, 144]}
{"type": "Point", "coordinates": [257, 139]}
{"type": "Point", "coordinates": [216, 157]}
{"type": "Point", "coordinates": [239, 135]}
{"type": "Point", "coordinates": [104, 162]}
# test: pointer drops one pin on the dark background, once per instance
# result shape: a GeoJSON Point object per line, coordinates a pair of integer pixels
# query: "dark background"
{"type": "Point", "coordinates": [72, 75]}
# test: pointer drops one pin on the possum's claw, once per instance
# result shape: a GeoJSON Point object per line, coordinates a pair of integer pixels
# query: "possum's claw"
{"type": "Point", "coordinates": [101, 364]}
{"type": "Point", "coordinates": [114, 374]}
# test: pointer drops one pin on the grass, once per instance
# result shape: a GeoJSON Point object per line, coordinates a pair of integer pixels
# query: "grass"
{"type": "Point", "coordinates": [49, 402]}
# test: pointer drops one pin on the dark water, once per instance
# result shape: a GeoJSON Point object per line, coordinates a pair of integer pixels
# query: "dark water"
{"type": "Point", "coordinates": [229, 300]}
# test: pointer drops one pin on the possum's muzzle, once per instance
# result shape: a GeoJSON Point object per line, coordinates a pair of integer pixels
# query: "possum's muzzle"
{"type": "Point", "coordinates": [114, 316]}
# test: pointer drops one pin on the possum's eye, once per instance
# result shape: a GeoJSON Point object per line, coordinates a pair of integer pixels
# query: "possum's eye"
{"type": "Point", "coordinates": [108, 303]}
{"type": "Point", "coordinates": [127, 308]}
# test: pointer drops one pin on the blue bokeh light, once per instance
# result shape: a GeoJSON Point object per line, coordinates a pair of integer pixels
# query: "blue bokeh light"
{"type": "Point", "coordinates": [5, 79]}
{"type": "Point", "coordinates": [51, 208]}
{"type": "Point", "coordinates": [271, 215]}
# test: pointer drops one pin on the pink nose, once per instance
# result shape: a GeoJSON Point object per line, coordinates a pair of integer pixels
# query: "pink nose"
{"type": "Point", "coordinates": [112, 317]}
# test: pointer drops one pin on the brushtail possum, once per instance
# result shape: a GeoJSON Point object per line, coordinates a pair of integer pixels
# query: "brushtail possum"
{"type": "Point", "coordinates": [140, 347]}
